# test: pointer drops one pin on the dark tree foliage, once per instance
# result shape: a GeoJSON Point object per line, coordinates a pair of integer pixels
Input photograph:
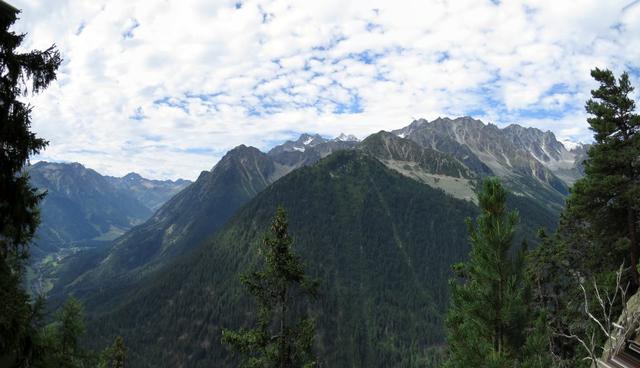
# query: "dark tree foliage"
{"type": "Point", "coordinates": [20, 74]}
{"type": "Point", "coordinates": [278, 340]}
{"type": "Point", "coordinates": [119, 353]}
{"type": "Point", "coordinates": [114, 356]}
{"type": "Point", "coordinates": [489, 316]}
{"type": "Point", "coordinates": [71, 327]}
{"type": "Point", "coordinates": [598, 228]}
{"type": "Point", "coordinates": [63, 338]}
{"type": "Point", "coordinates": [555, 268]}
{"type": "Point", "coordinates": [59, 343]}
{"type": "Point", "coordinates": [607, 199]}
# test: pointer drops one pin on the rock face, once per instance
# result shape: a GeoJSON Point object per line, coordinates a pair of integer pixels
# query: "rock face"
{"type": "Point", "coordinates": [308, 149]}
{"type": "Point", "coordinates": [346, 138]}
{"type": "Point", "coordinates": [502, 150]}
{"type": "Point", "coordinates": [545, 148]}
{"type": "Point", "coordinates": [426, 165]}
{"type": "Point", "coordinates": [530, 161]}
{"type": "Point", "coordinates": [449, 136]}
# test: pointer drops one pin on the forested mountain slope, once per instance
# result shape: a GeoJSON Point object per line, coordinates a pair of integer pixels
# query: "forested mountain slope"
{"type": "Point", "coordinates": [381, 243]}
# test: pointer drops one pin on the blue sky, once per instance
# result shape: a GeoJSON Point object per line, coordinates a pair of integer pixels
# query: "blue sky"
{"type": "Point", "coordinates": [165, 88]}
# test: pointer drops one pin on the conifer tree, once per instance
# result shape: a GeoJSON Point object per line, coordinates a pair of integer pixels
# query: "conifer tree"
{"type": "Point", "coordinates": [70, 321]}
{"type": "Point", "coordinates": [114, 356]}
{"type": "Point", "coordinates": [280, 340]}
{"type": "Point", "coordinates": [599, 224]}
{"type": "Point", "coordinates": [59, 341]}
{"type": "Point", "coordinates": [20, 74]}
{"type": "Point", "coordinates": [488, 316]}
{"type": "Point", "coordinates": [119, 353]}
{"type": "Point", "coordinates": [607, 199]}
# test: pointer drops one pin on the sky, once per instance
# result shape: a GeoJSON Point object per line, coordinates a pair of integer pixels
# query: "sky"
{"type": "Point", "coordinates": [165, 88]}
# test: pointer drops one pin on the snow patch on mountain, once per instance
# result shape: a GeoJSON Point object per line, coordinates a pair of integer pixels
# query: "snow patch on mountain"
{"type": "Point", "coordinates": [570, 145]}
{"type": "Point", "coordinates": [346, 138]}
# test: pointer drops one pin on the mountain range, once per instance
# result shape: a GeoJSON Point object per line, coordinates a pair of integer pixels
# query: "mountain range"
{"type": "Point", "coordinates": [202, 208]}
{"type": "Point", "coordinates": [83, 208]}
{"type": "Point", "coordinates": [379, 222]}
{"type": "Point", "coordinates": [151, 193]}
{"type": "Point", "coordinates": [531, 162]}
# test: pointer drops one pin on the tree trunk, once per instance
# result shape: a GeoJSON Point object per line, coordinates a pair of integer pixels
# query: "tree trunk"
{"type": "Point", "coordinates": [633, 247]}
{"type": "Point", "coordinates": [499, 322]}
{"type": "Point", "coordinates": [283, 340]}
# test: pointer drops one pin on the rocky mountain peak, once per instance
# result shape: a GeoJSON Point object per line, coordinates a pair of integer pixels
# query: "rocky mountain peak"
{"type": "Point", "coordinates": [346, 138]}
{"type": "Point", "coordinates": [309, 140]}
{"type": "Point", "coordinates": [304, 142]}
{"type": "Point", "coordinates": [132, 176]}
{"type": "Point", "coordinates": [514, 152]}
{"type": "Point", "coordinates": [543, 145]}
{"type": "Point", "coordinates": [57, 166]}
{"type": "Point", "coordinates": [464, 121]}
{"type": "Point", "coordinates": [404, 132]}
{"type": "Point", "coordinates": [572, 146]}
{"type": "Point", "coordinates": [242, 150]}
{"type": "Point", "coordinates": [241, 153]}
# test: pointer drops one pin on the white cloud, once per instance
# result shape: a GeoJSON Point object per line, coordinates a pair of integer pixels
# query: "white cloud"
{"type": "Point", "coordinates": [205, 76]}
